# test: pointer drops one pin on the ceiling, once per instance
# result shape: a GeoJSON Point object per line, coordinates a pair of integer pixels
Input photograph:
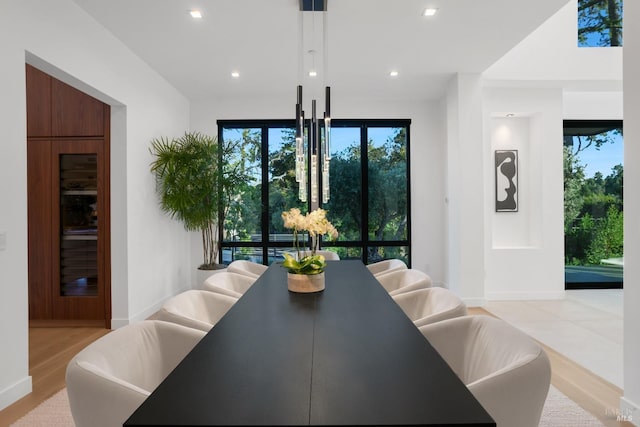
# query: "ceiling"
{"type": "Point", "coordinates": [366, 39]}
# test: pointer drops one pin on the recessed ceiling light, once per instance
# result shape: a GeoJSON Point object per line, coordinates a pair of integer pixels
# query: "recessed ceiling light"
{"type": "Point", "coordinates": [196, 14]}
{"type": "Point", "coordinates": [510, 115]}
{"type": "Point", "coordinates": [430, 11]}
{"type": "Point", "coordinates": [313, 73]}
{"type": "Point", "coordinates": [393, 73]}
{"type": "Point", "coordinates": [235, 74]}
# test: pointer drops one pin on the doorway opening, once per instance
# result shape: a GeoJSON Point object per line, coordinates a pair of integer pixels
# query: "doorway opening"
{"type": "Point", "coordinates": [593, 204]}
{"type": "Point", "coordinates": [68, 141]}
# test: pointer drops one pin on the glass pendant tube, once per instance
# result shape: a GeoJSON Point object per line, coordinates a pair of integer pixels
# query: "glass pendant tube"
{"type": "Point", "coordinates": [301, 152]}
{"type": "Point", "coordinates": [326, 147]}
{"type": "Point", "coordinates": [314, 153]}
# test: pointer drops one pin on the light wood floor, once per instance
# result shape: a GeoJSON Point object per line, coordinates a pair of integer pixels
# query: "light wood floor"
{"type": "Point", "coordinates": [50, 350]}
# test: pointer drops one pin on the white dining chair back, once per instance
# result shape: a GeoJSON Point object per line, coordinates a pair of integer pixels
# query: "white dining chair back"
{"type": "Point", "coordinates": [197, 309]}
{"type": "Point", "coordinates": [227, 283]}
{"type": "Point", "coordinates": [386, 266]}
{"type": "Point", "coordinates": [430, 305]}
{"type": "Point", "coordinates": [247, 268]}
{"type": "Point", "coordinates": [505, 369]}
{"type": "Point", "coordinates": [397, 282]}
{"type": "Point", "coordinates": [111, 377]}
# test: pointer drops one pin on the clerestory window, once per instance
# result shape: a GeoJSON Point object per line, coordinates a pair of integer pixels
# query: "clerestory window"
{"type": "Point", "coordinates": [599, 23]}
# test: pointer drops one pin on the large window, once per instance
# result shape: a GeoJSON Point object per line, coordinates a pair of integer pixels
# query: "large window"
{"type": "Point", "coordinates": [593, 204]}
{"type": "Point", "coordinates": [369, 203]}
{"type": "Point", "coordinates": [599, 23]}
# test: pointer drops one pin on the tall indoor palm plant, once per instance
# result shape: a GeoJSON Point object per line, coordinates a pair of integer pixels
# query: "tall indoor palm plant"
{"type": "Point", "coordinates": [190, 177]}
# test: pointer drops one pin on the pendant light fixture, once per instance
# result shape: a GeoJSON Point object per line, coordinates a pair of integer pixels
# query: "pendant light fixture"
{"type": "Point", "coordinates": [313, 149]}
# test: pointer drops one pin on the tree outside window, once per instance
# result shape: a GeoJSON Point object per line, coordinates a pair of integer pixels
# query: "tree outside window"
{"type": "Point", "coordinates": [599, 23]}
{"type": "Point", "coordinates": [369, 203]}
{"type": "Point", "coordinates": [593, 203]}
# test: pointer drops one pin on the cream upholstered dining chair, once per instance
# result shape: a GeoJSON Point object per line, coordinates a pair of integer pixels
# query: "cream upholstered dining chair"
{"type": "Point", "coordinates": [111, 377]}
{"type": "Point", "coordinates": [196, 309]}
{"type": "Point", "coordinates": [386, 266]}
{"type": "Point", "coordinates": [397, 282]}
{"type": "Point", "coordinates": [505, 369]}
{"type": "Point", "coordinates": [227, 283]}
{"type": "Point", "coordinates": [430, 305]}
{"type": "Point", "coordinates": [248, 268]}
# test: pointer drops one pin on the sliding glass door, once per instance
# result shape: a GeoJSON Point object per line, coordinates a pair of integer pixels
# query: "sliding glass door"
{"type": "Point", "coordinates": [593, 204]}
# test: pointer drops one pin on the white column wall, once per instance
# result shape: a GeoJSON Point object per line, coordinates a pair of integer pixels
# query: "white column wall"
{"type": "Point", "coordinates": [631, 399]}
{"type": "Point", "coordinates": [150, 253]}
{"type": "Point", "coordinates": [427, 158]}
{"type": "Point", "coordinates": [466, 163]}
{"type": "Point", "coordinates": [15, 381]}
{"type": "Point", "coordinates": [524, 256]}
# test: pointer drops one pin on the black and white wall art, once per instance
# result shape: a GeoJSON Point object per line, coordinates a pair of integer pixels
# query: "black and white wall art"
{"type": "Point", "coordinates": [506, 166]}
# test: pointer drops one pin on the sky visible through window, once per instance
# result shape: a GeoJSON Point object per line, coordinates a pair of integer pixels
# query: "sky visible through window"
{"type": "Point", "coordinates": [604, 159]}
{"type": "Point", "coordinates": [600, 23]}
{"type": "Point", "coordinates": [342, 138]}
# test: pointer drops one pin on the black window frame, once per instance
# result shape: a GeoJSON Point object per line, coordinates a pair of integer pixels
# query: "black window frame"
{"type": "Point", "coordinates": [365, 242]}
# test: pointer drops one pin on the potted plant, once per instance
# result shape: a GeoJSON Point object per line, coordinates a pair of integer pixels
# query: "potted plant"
{"type": "Point", "coordinates": [306, 270]}
{"type": "Point", "coordinates": [193, 185]}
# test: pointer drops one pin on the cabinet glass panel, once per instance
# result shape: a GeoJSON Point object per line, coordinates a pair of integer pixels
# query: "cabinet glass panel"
{"type": "Point", "coordinates": [78, 225]}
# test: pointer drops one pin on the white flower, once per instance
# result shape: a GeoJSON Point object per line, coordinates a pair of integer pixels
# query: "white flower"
{"type": "Point", "coordinates": [315, 223]}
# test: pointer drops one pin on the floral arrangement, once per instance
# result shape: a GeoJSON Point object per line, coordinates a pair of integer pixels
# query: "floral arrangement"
{"type": "Point", "coordinates": [316, 224]}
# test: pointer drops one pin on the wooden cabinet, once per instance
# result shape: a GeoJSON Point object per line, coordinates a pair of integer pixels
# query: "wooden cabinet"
{"type": "Point", "coordinates": [68, 197]}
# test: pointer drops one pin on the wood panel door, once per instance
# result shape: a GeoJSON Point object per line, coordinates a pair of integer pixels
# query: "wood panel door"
{"type": "Point", "coordinates": [68, 140]}
{"type": "Point", "coordinates": [79, 237]}
{"type": "Point", "coordinates": [39, 219]}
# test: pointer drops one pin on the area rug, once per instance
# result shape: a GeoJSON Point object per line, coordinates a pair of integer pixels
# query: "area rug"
{"type": "Point", "coordinates": [559, 411]}
{"type": "Point", "coordinates": [53, 412]}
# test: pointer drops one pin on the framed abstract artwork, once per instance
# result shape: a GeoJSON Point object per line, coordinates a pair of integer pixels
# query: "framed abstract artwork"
{"type": "Point", "coordinates": [506, 167]}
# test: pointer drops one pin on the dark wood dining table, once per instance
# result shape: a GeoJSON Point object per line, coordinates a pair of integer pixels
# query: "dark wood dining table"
{"type": "Point", "coordinates": [345, 356]}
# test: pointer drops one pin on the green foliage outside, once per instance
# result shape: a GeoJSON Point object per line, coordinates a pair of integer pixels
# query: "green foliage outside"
{"type": "Point", "coordinates": [593, 221]}
{"type": "Point", "coordinates": [387, 190]}
{"type": "Point", "coordinates": [600, 22]}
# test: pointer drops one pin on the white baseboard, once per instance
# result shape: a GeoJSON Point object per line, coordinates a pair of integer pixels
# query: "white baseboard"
{"type": "Point", "coordinates": [628, 412]}
{"type": "Point", "coordinates": [515, 296]}
{"type": "Point", "coordinates": [119, 323]}
{"type": "Point", "coordinates": [144, 314]}
{"type": "Point", "coordinates": [15, 392]}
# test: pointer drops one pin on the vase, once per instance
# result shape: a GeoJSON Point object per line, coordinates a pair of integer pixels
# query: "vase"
{"type": "Point", "coordinates": [305, 283]}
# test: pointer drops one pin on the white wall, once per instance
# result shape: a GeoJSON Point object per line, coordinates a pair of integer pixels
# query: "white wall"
{"type": "Point", "coordinates": [150, 253]}
{"type": "Point", "coordinates": [427, 158]}
{"type": "Point", "coordinates": [550, 53]}
{"type": "Point", "coordinates": [525, 250]}
{"type": "Point", "coordinates": [592, 105]}
{"type": "Point", "coordinates": [631, 399]}
{"type": "Point", "coordinates": [544, 79]}
{"type": "Point", "coordinates": [14, 379]}
{"type": "Point", "coordinates": [465, 166]}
